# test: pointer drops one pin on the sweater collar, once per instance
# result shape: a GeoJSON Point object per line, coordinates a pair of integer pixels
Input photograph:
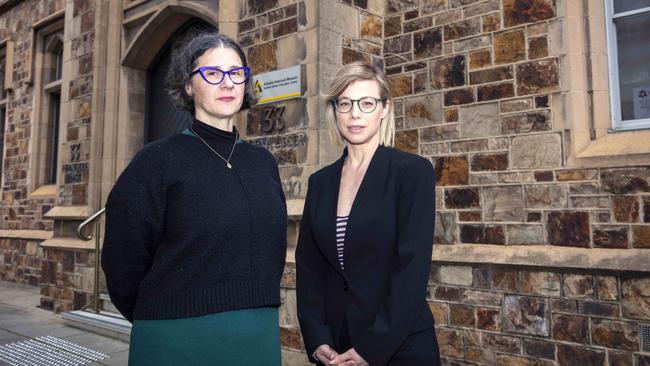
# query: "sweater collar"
{"type": "Point", "coordinates": [215, 134]}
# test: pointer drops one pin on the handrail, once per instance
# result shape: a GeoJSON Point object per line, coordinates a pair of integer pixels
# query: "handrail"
{"type": "Point", "coordinates": [93, 219]}
{"type": "Point", "coordinates": [88, 221]}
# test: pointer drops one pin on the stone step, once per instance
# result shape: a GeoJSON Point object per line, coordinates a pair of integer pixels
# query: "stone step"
{"type": "Point", "coordinates": [105, 323]}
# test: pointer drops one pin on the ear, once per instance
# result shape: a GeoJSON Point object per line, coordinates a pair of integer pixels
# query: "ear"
{"type": "Point", "coordinates": [189, 90]}
{"type": "Point", "coordinates": [387, 105]}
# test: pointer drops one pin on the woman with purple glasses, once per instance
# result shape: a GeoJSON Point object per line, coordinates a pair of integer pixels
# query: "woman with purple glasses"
{"type": "Point", "coordinates": [196, 226]}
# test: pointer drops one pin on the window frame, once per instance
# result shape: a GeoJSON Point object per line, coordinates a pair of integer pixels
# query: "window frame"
{"type": "Point", "coordinates": [618, 124]}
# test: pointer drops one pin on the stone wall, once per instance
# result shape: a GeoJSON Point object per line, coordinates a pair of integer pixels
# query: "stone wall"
{"type": "Point", "coordinates": [20, 261]}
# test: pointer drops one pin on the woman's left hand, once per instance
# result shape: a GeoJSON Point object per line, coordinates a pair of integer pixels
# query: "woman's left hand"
{"type": "Point", "coordinates": [349, 358]}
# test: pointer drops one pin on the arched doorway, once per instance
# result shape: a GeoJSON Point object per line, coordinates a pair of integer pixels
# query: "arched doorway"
{"type": "Point", "coordinates": [161, 118]}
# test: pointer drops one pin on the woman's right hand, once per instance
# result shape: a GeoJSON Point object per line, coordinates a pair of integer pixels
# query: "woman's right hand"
{"type": "Point", "coordinates": [325, 354]}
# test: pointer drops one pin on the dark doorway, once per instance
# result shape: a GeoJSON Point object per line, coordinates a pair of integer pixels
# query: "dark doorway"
{"type": "Point", "coordinates": [162, 119]}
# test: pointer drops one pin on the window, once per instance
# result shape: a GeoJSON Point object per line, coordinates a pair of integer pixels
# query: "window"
{"type": "Point", "coordinates": [6, 63]}
{"type": "Point", "coordinates": [628, 33]}
{"type": "Point", "coordinates": [51, 76]}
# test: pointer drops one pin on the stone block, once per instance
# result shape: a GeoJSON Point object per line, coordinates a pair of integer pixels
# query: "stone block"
{"type": "Point", "coordinates": [479, 120]}
{"type": "Point", "coordinates": [539, 348]}
{"type": "Point", "coordinates": [541, 283]}
{"type": "Point", "coordinates": [439, 133]}
{"type": "Point", "coordinates": [526, 122]}
{"type": "Point", "coordinates": [518, 12]}
{"type": "Point", "coordinates": [417, 24]}
{"type": "Point", "coordinates": [462, 29]}
{"type": "Point", "coordinates": [600, 309]}
{"type": "Point", "coordinates": [456, 275]}
{"type": "Point", "coordinates": [423, 110]}
{"type": "Point", "coordinates": [571, 355]}
{"type": "Point", "coordinates": [642, 360]}
{"type": "Point", "coordinates": [625, 208]}
{"type": "Point", "coordinates": [285, 27]}
{"type": "Point", "coordinates": [610, 236]}
{"type": "Point", "coordinates": [615, 334]}
{"type": "Point", "coordinates": [371, 28]}
{"type": "Point", "coordinates": [641, 236]}
{"type": "Point", "coordinates": [451, 115]}
{"type": "Point", "coordinates": [571, 328]}
{"type": "Point", "coordinates": [399, 44]}
{"type": "Point", "coordinates": [481, 8]}
{"type": "Point", "coordinates": [537, 47]}
{"type": "Point", "coordinates": [545, 196]}
{"type": "Point", "coordinates": [470, 216]}
{"type": "Point", "coordinates": [450, 342]}
{"type": "Point", "coordinates": [501, 342]}
{"type": "Point", "coordinates": [537, 77]}
{"type": "Point", "coordinates": [537, 151]}
{"type": "Point", "coordinates": [620, 358]}
{"type": "Point", "coordinates": [482, 276]}
{"type": "Point", "coordinates": [427, 43]}
{"type": "Point", "coordinates": [601, 202]}
{"type": "Point", "coordinates": [262, 58]}
{"type": "Point", "coordinates": [479, 59]}
{"type": "Point", "coordinates": [471, 44]}
{"type": "Point", "coordinates": [488, 319]}
{"type": "Point", "coordinates": [432, 6]}
{"type": "Point", "coordinates": [503, 279]}
{"type": "Point", "coordinates": [462, 198]}
{"type": "Point", "coordinates": [291, 338]}
{"type": "Point", "coordinates": [490, 162]}
{"type": "Point", "coordinates": [480, 356]}
{"type": "Point", "coordinates": [392, 26]}
{"type": "Point", "coordinates": [407, 141]}
{"type": "Point", "coordinates": [525, 234]}
{"type": "Point", "coordinates": [400, 85]}
{"type": "Point", "coordinates": [434, 149]}
{"type": "Point", "coordinates": [491, 22]}
{"type": "Point", "coordinates": [503, 204]}
{"type": "Point", "coordinates": [636, 298]}
{"type": "Point", "coordinates": [445, 229]}
{"type": "Point", "coordinates": [440, 312]}
{"type": "Point", "coordinates": [446, 293]}
{"type": "Point", "coordinates": [646, 209]}
{"type": "Point", "coordinates": [607, 288]}
{"type": "Point", "coordinates": [568, 229]}
{"type": "Point", "coordinates": [482, 234]}
{"type": "Point", "coordinates": [447, 17]}
{"type": "Point", "coordinates": [478, 297]}
{"type": "Point", "coordinates": [516, 105]}
{"type": "Point", "coordinates": [448, 72]}
{"type": "Point", "coordinates": [459, 96]}
{"type": "Point", "coordinates": [451, 170]}
{"type": "Point", "coordinates": [494, 91]}
{"type": "Point", "coordinates": [461, 315]}
{"type": "Point", "coordinates": [590, 188]}
{"type": "Point", "coordinates": [525, 314]}
{"type": "Point", "coordinates": [626, 180]}
{"type": "Point", "coordinates": [578, 286]}
{"type": "Point", "coordinates": [509, 46]}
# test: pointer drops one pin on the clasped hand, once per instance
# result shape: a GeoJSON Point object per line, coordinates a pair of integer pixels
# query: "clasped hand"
{"type": "Point", "coordinates": [328, 357]}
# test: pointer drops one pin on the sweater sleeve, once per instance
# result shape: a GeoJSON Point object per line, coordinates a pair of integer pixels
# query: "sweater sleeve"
{"type": "Point", "coordinates": [400, 310]}
{"type": "Point", "coordinates": [134, 216]}
{"type": "Point", "coordinates": [310, 281]}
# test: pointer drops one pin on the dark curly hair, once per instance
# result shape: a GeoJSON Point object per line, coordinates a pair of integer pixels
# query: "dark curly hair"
{"type": "Point", "coordinates": [183, 60]}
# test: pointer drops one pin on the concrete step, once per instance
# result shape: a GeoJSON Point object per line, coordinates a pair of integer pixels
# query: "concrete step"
{"type": "Point", "coordinates": [105, 323]}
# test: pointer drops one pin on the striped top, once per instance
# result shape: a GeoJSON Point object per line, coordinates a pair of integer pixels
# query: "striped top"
{"type": "Point", "coordinates": [341, 224]}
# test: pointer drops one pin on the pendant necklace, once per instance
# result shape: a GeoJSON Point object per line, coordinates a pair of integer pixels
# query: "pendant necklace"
{"type": "Point", "coordinates": [216, 153]}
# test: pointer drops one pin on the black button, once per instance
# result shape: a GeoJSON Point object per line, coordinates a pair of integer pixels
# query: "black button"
{"type": "Point", "coordinates": [345, 286]}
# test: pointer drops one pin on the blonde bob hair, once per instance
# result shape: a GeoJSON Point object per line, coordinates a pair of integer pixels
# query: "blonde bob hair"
{"type": "Point", "coordinates": [347, 75]}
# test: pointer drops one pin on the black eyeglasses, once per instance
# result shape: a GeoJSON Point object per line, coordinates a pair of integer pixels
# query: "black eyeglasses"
{"type": "Point", "coordinates": [365, 104]}
{"type": "Point", "coordinates": [214, 75]}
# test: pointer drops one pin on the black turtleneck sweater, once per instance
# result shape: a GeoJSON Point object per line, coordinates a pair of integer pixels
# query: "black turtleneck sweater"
{"type": "Point", "coordinates": [186, 236]}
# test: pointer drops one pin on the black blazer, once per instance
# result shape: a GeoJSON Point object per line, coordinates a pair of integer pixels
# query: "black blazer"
{"type": "Point", "coordinates": [389, 237]}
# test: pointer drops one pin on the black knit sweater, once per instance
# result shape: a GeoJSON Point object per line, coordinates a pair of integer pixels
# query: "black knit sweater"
{"type": "Point", "coordinates": [186, 236]}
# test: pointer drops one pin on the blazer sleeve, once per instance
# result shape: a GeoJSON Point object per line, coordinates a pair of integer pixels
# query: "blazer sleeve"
{"type": "Point", "coordinates": [134, 212]}
{"type": "Point", "coordinates": [400, 310]}
{"type": "Point", "coordinates": [311, 267]}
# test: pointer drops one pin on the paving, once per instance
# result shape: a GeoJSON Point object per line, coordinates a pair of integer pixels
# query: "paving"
{"type": "Point", "coordinates": [21, 320]}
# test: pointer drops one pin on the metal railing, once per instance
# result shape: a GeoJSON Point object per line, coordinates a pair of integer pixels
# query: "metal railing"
{"type": "Point", "coordinates": [80, 233]}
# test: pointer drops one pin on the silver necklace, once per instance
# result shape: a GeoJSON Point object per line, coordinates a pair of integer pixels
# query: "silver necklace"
{"type": "Point", "coordinates": [219, 155]}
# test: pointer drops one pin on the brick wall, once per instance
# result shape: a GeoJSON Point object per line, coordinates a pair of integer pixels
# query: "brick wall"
{"type": "Point", "coordinates": [20, 261]}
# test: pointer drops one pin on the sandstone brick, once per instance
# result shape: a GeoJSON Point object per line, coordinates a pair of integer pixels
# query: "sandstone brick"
{"type": "Point", "coordinates": [615, 334]}
{"type": "Point", "coordinates": [538, 151]}
{"type": "Point", "coordinates": [291, 338]}
{"type": "Point", "coordinates": [446, 293]}
{"type": "Point", "coordinates": [473, 43]}
{"type": "Point", "coordinates": [568, 229]}
{"type": "Point", "coordinates": [504, 279]}
{"type": "Point", "coordinates": [418, 24]}
{"type": "Point", "coordinates": [480, 355]}
{"type": "Point", "coordinates": [537, 47]}
{"type": "Point", "coordinates": [479, 120]}
{"type": "Point", "coordinates": [619, 358]}
{"type": "Point", "coordinates": [392, 26]}
{"type": "Point", "coordinates": [479, 297]}
{"type": "Point", "coordinates": [494, 91]}
{"type": "Point", "coordinates": [482, 234]}
{"type": "Point", "coordinates": [636, 298]}
{"type": "Point", "coordinates": [541, 283]}
{"type": "Point", "coordinates": [482, 276]}
{"type": "Point", "coordinates": [625, 208]}
{"type": "Point", "coordinates": [450, 342]}
{"type": "Point", "coordinates": [571, 328]}
{"type": "Point", "coordinates": [516, 105]}
{"type": "Point", "coordinates": [448, 72]}
{"type": "Point", "coordinates": [423, 111]}
{"type": "Point", "coordinates": [432, 6]}
{"type": "Point", "coordinates": [471, 216]}
{"type": "Point", "coordinates": [517, 12]}
{"type": "Point", "coordinates": [491, 22]}
{"type": "Point", "coordinates": [349, 56]}
{"type": "Point", "coordinates": [539, 348]}
{"type": "Point", "coordinates": [564, 305]}
{"type": "Point", "coordinates": [445, 228]}
{"type": "Point", "coordinates": [456, 275]}
{"type": "Point", "coordinates": [451, 170]}
{"type": "Point", "coordinates": [479, 59]}
{"type": "Point", "coordinates": [526, 122]}
{"type": "Point", "coordinates": [490, 162]}
{"type": "Point", "coordinates": [461, 315]}
{"type": "Point", "coordinates": [420, 82]}
{"type": "Point", "coordinates": [447, 17]}
{"type": "Point", "coordinates": [641, 236]}
{"type": "Point", "coordinates": [576, 174]}
{"type": "Point", "coordinates": [427, 43]}
{"type": "Point", "coordinates": [399, 44]}
{"type": "Point", "coordinates": [491, 75]}
{"type": "Point", "coordinates": [509, 46]}
{"type": "Point", "coordinates": [400, 85]}
{"type": "Point", "coordinates": [371, 28]}
{"type": "Point", "coordinates": [462, 29]}
{"type": "Point", "coordinates": [439, 133]}
{"type": "Point", "coordinates": [285, 27]}
{"type": "Point", "coordinates": [501, 342]}
{"type": "Point", "coordinates": [459, 96]}
{"type": "Point", "coordinates": [600, 309]}
{"type": "Point", "coordinates": [607, 288]}
{"type": "Point", "coordinates": [608, 236]}
{"type": "Point", "coordinates": [481, 8]}
{"type": "Point", "coordinates": [534, 217]}
{"type": "Point", "coordinates": [537, 77]}
{"type": "Point", "coordinates": [488, 319]}
{"type": "Point", "coordinates": [503, 204]}
{"type": "Point", "coordinates": [469, 146]}
{"type": "Point", "coordinates": [590, 202]}
{"type": "Point", "coordinates": [545, 195]}
{"type": "Point", "coordinates": [642, 360]}
{"type": "Point", "coordinates": [483, 179]}
{"type": "Point", "coordinates": [626, 180]}
{"type": "Point", "coordinates": [262, 58]}
{"type": "Point", "coordinates": [584, 188]}
{"type": "Point", "coordinates": [525, 234]}
{"type": "Point", "coordinates": [516, 177]}
{"type": "Point", "coordinates": [407, 141]}
{"type": "Point", "coordinates": [578, 286]}
{"type": "Point", "coordinates": [434, 149]}
{"type": "Point", "coordinates": [440, 312]}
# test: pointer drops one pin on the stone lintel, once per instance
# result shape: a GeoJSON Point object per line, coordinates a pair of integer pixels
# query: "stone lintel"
{"type": "Point", "coordinates": [619, 260]}
{"type": "Point", "coordinates": [69, 212]}
{"type": "Point", "coordinates": [26, 234]}
{"type": "Point", "coordinates": [69, 243]}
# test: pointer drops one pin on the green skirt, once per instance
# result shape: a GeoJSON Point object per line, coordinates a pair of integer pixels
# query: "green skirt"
{"type": "Point", "coordinates": [241, 337]}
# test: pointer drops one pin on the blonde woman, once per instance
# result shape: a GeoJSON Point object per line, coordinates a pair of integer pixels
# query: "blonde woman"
{"type": "Point", "coordinates": [364, 250]}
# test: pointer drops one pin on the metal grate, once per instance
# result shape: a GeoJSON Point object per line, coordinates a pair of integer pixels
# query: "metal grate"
{"type": "Point", "coordinates": [48, 351]}
{"type": "Point", "coordinates": [645, 337]}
